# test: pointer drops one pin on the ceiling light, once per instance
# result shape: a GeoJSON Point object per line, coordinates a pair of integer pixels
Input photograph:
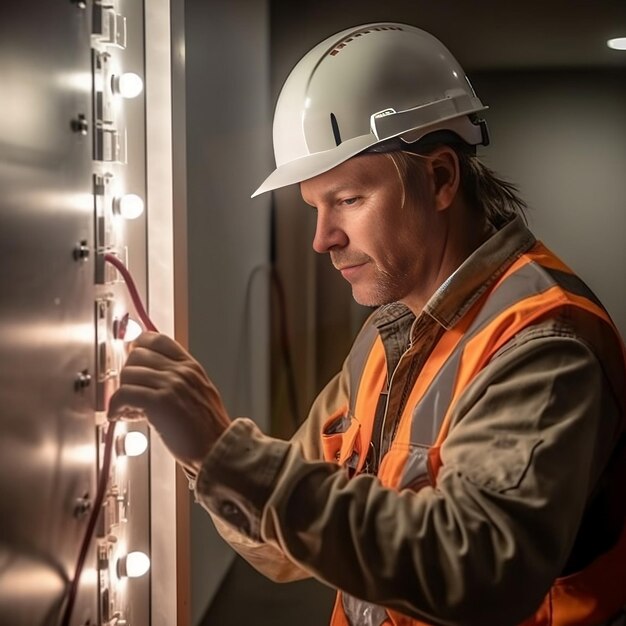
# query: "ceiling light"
{"type": "Point", "coordinates": [619, 43]}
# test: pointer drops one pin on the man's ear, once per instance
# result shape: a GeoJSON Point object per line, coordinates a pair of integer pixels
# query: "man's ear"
{"type": "Point", "coordinates": [445, 171]}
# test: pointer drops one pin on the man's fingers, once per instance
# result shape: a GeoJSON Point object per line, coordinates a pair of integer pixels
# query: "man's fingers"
{"type": "Point", "coordinates": [140, 376]}
{"type": "Point", "coordinates": [132, 402]}
{"type": "Point", "coordinates": [144, 357]}
{"type": "Point", "coordinates": [161, 344]}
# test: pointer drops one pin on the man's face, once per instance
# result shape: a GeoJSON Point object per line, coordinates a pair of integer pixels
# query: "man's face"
{"type": "Point", "coordinates": [385, 246]}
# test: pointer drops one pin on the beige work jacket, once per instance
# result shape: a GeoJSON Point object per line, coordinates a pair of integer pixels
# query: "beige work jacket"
{"type": "Point", "coordinates": [500, 523]}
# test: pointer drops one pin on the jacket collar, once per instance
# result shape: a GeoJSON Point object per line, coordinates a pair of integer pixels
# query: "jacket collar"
{"type": "Point", "coordinates": [470, 280]}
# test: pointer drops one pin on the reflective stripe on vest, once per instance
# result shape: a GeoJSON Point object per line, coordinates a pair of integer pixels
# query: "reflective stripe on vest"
{"type": "Point", "coordinates": [534, 286]}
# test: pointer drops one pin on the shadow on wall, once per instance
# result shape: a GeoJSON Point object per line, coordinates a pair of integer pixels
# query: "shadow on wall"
{"type": "Point", "coordinates": [306, 603]}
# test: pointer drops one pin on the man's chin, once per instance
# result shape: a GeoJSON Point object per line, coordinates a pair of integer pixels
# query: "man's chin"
{"type": "Point", "coordinates": [369, 299]}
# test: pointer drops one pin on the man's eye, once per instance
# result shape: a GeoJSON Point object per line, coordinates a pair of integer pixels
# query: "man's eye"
{"type": "Point", "coordinates": [349, 201]}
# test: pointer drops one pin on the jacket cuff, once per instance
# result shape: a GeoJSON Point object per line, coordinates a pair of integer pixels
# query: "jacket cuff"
{"type": "Point", "coordinates": [238, 475]}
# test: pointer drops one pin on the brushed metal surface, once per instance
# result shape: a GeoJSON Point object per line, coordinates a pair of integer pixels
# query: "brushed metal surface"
{"type": "Point", "coordinates": [48, 451]}
{"type": "Point", "coordinates": [47, 446]}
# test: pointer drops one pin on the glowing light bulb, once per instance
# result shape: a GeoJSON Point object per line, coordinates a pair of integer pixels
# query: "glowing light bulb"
{"type": "Point", "coordinates": [619, 43]}
{"type": "Point", "coordinates": [129, 206]}
{"type": "Point", "coordinates": [133, 565]}
{"type": "Point", "coordinates": [133, 330]}
{"type": "Point", "coordinates": [133, 443]}
{"type": "Point", "coordinates": [126, 328]}
{"type": "Point", "coordinates": [128, 85]}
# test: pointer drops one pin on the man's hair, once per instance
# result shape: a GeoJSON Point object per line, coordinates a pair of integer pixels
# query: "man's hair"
{"type": "Point", "coordinates": [495, 198]}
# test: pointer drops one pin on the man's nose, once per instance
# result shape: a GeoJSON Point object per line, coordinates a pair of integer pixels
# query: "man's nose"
{"type": "Point", "coordinates": [328, 233]}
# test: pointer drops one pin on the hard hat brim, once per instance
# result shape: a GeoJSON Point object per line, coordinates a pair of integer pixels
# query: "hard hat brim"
{"type": "Point", "coordinates": [314, 164]}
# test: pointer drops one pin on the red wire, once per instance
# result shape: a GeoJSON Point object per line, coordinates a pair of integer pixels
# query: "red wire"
{"type": "Point", "coordinates": [106, 455]}
{"type": "Point", "coordinates": [132, 289]}
{"type": "Point", "coordinates": [91, 524]}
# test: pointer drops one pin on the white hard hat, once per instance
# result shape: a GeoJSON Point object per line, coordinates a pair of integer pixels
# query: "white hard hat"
{"type": "Point", "coordinates": [363, 86]}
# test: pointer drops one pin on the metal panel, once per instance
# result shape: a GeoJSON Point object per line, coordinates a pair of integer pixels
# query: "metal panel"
{"type": "Point", "coordinates": [47, 451]}
{"type": "Point", "coordinates": [48, 358]}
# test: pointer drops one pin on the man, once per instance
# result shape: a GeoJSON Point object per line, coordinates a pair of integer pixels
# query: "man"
{"type": "Point", "coordinates": [465, 465]}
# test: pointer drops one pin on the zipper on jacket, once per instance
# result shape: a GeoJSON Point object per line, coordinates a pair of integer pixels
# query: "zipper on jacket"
{"type": "Point", "coordinates": [410, 381]}
{"type": "Point", "coordinates": [381, 447]}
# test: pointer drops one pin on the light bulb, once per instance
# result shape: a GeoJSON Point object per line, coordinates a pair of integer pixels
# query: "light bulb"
{"type": "Point", "coordinates": [127, 85]}
{"type": "Point", "coordinates": [120, 325]}
{"type": "Point", "coordinates": [133, 330]}
{"type": "Point", "coordinates": [129, 206]}
{"type": "Point", "coordinates": [619, 43]}
{"type": "Point", "coordinates": [133, 443]}
{"type": "Point", "coordinates": [133, 565]}
{"type": "Point", "coordinates": [126, 328]}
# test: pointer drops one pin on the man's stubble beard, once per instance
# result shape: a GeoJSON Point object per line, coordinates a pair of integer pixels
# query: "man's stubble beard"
{"type": "Point", "coordinates": [385, 290]}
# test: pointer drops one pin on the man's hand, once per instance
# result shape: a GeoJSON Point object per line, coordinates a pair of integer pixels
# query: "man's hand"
{"type": "Point", "coordinates": [165, 383]}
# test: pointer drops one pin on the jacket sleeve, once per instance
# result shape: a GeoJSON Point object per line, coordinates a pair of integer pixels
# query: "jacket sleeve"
{"type": "Point", "coordinates": [529, 439]}
{"type": "Point", "coordinates": [268, 557]}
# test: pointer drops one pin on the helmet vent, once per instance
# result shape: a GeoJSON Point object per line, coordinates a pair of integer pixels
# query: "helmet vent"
{"type": "Point", "coordinates": [342, 44]}
{"type": "Point", "coordinates": [335, 127]}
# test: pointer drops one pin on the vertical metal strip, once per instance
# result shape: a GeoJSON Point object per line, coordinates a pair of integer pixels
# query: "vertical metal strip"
{"type": "Point", "coordinates": [169, 524]}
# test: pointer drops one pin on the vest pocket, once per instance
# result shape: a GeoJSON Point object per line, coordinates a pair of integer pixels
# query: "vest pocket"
{"type": "Point", "coordinates": [340, 440]}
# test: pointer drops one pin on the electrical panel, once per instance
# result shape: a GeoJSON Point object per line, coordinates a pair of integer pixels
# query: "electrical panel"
{"type": "Point", "coordinates": [72, 195]}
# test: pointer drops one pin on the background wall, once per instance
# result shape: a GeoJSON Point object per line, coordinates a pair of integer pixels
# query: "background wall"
{"type": "Point", "coordinates": [228, 153]}
{"type": "Point", "coordinates": [561, 135]}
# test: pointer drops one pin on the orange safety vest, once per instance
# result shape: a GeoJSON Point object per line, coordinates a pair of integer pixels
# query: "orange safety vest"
{"type": "Point", "coordinates": [535, 286]}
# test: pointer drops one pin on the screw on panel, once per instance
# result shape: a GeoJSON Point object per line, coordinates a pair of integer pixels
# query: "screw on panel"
{"type": "Point", "coordinates": [81, 251]}
{"type": "Point", "coordinates": [83, 380]}
{"type": "Point", "coordinates": [80, 124]}
{"type": "Point", "coordinates": [81, 4]}
{"type": "Point", "coordinates": [82, 506]}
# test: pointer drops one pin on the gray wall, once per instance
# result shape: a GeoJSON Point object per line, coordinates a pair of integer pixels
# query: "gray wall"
{"type": "Point", "coordinates": [228, 154]}
{"type": "Point", "coordinates": [561, 136]}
